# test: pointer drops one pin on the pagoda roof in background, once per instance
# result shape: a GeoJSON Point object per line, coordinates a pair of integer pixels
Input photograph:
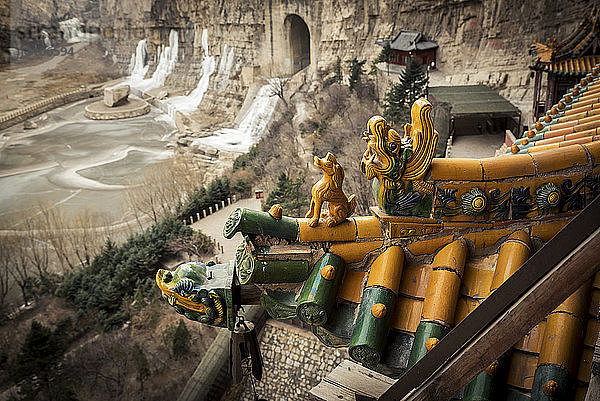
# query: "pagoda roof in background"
{"type": "Point", "coordinates": [408, 41]}
{"type": "Point", "coordinates": [575, 55]}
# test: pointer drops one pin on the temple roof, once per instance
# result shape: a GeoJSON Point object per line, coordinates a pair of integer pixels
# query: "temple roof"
{"type": "Point", "coordinates": [568, 57]}
{"type": "Point", "coordinates": [473, 99]}
{"type": "Point", "coordinates": [409, 41]}
{"type": "Point", "coordinates": [575, 119]}
{"type": "Point", "coordinates": [573, 66]}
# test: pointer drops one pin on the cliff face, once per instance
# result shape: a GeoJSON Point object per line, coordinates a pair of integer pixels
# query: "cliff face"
{"type": "Point", "coordinates": [21, 21]}
{"type": "Point", "coordinates": [480, 41]}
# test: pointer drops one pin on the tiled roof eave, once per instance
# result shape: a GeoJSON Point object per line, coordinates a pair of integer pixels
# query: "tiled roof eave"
{"type": "Point", "coordinates": [576, 67]}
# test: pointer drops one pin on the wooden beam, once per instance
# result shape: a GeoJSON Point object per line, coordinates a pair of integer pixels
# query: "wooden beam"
{"type": "Point", "coordinates": [211, 376]}
{"type": "Point", "coordinates": [553, 273]}
{"type": "Point", "coordinates": [350, 378]}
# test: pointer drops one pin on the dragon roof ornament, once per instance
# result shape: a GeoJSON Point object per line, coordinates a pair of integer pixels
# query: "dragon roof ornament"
{"type": "Point", "coordinates": [400, 163]}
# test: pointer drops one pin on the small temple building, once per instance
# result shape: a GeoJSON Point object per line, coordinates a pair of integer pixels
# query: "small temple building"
{"type": "Point", "coordinates": [564, 61]}
{"type": "Point", "coordinates": [411, 44]}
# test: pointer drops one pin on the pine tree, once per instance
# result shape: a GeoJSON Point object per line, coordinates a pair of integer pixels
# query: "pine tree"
{"type": "Point", "coordinates": [384, 57]}
{"type": "Point", "coordinates": [401, 95]}
{"type": "Point", "coordinates": [242, 187]}
{"type": "Point", "coordinates": [142, 366]}
{"type": "Point", "coordinates": [288, 195]}
{"type": "Point", "coordinates": [355, 72]}
{"type": "Point", "coordinates": [39, 353]}
{"type": "Point", "coordinates": [414, 80]}
{"type": "Point", "coordinates": [41, 356]}
{"type": "Point", "coordinates": [338, 71]}
{"type": "Point", "coordinates": [394, 106]}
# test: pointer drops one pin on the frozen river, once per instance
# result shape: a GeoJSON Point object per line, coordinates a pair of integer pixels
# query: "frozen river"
{"type": "Point", "coordinates": [74, 163]}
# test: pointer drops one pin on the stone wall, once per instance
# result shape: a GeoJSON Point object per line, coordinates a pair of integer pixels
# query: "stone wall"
{"type": "Point", "coordinates": [42, 106]}
{"type": "Point", "coordinates": [294, 362]}
{"type": "Point", "coordinates": [481, 42]}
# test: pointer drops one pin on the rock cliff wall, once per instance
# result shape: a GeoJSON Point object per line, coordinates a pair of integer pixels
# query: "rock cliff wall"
{"type": "Point", "coordinates": [480, 41]}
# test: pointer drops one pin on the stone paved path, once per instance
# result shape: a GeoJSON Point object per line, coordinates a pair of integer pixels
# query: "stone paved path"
{"type": "Point", "coordinates": [213, 224]}
{"type": "Point", "coordinates": [476, 146]}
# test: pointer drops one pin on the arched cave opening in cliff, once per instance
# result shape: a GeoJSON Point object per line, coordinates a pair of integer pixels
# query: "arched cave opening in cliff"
{"type": "Point", "coordinates": [299, 40]}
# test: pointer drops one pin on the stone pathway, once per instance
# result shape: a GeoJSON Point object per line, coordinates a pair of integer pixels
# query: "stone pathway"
{"type": "Point", "coordinates": [475, 146]}
{"type": "Point", "coordinates": [212, 226]}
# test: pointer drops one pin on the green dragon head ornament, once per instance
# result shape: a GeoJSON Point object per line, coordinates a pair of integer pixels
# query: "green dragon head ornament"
{"type": "Point", "coordinates": [200, 292]}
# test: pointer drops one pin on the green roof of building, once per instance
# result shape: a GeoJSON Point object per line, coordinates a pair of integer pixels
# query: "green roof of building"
{"type": "Point", "coordinates": [473, 99]}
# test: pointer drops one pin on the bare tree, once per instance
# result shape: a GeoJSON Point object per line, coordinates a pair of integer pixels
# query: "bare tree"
{"type": "Point", "coordinates": [36, 241]}
{"type": "Point", "coordinates": [277, 87]}
{"type": "Point", "coordinates": [84, 237]}
{"type": "Point", "coordinates": [197, 245]}
{"type": "Point", "coordinates": [162, 189]}
{"type": "Point", "coordinates": [20, 266]}
{"type": "Point", "coordinates": [55, 224]}
{"type": "Point", "coordinates": [102, 365]}
{"type": "Point", "coordinates": [5, 268]}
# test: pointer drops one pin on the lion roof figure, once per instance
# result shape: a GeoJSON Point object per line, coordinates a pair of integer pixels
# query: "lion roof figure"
{"type": "Point", "coordinates": [329, 189]}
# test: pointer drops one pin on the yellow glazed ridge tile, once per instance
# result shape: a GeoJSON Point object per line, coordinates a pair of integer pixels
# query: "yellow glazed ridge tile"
{"type": "Point", "coordinates": [559, 159]}
{"type": "Point", "coordinates": [456, 169]}
{"type": "Point", "coordinates": [496, 168]}
{"type": "Point", "coordinates": [346, 231]}
{"type": "Point", "coordinates": [594, 150]}
{"type": "Point", "coordinates": [428, 246]}
{"type": "Point", "coordinates": [354, 251]}
{"type": "Point", "coordinates": [368, 227]}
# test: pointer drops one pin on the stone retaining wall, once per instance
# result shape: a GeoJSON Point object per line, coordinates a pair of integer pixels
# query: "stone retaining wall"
{"type": "Point", "coordinates": [294, 362]}
{"type": "Point", "coordinates": [118, 115]}
{"type": "Point", "coordinates": [16, 116]}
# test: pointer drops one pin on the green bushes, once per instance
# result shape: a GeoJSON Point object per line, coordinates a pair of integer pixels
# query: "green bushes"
{"type": "Point", "coordinates": [38, 365]}
{"type": "Point", "coordinates": [177, 339]}
{"type": "Point", "coordinates": [118, 271]}
{"type": "Point", "coordinates": [356, 71]}
{"type": "Point", "coordinates": [288, 194]}
{"type": "Point", "coordinates": [142, 367]}
{"type": "Point", "coordinates": [219, 190]}
{"type": "Point", "coordinates": [246, 159]}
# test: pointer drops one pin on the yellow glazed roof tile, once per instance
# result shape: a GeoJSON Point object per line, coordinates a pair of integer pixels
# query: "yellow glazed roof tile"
{"type": "Point", "coordinates": [567, 157]}
{"type": "Point", "coordinates": [456, 169]}
{"type": "Point", "coordinates": [496, 168]}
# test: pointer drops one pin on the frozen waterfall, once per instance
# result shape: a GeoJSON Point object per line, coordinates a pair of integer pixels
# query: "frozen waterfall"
{"type": "Point", "coordinates": [166, 64]}
{"type": "Point", "coordinates": [250, 128]}
{"type": "Point", "coordinates": [72, 33]}
{"type": "Point", "coordinates": [225, 66]}
{"type": "Point", "coordinates": [138, 66]}
{"type": "Point", "coordinates": [189, 103]}
{"type": "Point", "coordinates": [237, 139]}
